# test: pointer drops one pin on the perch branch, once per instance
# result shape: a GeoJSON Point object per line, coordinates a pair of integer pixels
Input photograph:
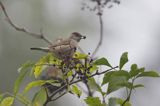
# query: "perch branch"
{"type": "Point", "coordinates": [39, 36]}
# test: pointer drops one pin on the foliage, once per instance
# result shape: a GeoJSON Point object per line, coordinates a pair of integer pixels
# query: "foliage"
{"type": "Point", "coordinates": [79, 70]}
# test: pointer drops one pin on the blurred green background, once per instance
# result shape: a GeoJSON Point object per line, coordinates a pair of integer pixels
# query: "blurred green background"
{"type": "Point", "coordinates": [132, 26]}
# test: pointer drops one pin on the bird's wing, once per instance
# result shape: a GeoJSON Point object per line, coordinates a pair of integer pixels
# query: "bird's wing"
{"type": "Point", "coordinates": [61, 42]}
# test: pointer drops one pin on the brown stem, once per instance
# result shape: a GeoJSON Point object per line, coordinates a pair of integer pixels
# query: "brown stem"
{"type": "Point", "coordinates": [90, 93]}
{"type": "Point", "coordinates": [39, 36]}
{"type": "Point", "coordinates": [129, 95]}
{"type": "Point", "coordinates": [101, 29]}
{"type": "Point", "coordinates": [97, 73]}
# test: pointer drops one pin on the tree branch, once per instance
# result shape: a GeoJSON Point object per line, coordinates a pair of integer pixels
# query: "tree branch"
{"type": "Point", "coordinates": [101, 28]}
{"type": "Point", "coordinates": [39, 36]}
{"type": "Point", "coordinates": [97, 73]}
{"type": "Point", "coordinates": [59, 96]}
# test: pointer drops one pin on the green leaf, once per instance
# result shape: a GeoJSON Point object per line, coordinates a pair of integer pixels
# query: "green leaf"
{"type": "Point", "coordinates": [128, 85]}
{"type": "Point", "coordinates": [93, 101]}
{"type": "Point", "coordinates": [112, 102]}
{"type": "Point", "coordinates": [70, 73]}
{"type": "Point", "coordinates": [138, 86]}
{"type": "Point", "coordinates": [79, 55]}
{"type": "Point", "coordinates": [107, 77]}
{"type": "Point", "coordinates": [42, 63]}
{"type": "Point", "coordinates": [1, 97]}
{"type": "Point", "coordinates": [134, 70]}
{"type": "Point", "coordinates": [117, 80]}
{"type": "Point", "coordinates": [22, 73]}
{"type": "Point", "coordinates": [102, 61]}
{"type": "Point", "coordinates": [116, 84]}
{"type": "Point", "coordinates": [8, 101]}
{"type": "Point", "coordinates": [120, 102]}
{"type": "Point", "coordinates": [141, 69]}
{"type": "Point", "coordinates": [93, 68]}
{"type": "Point", "coordinates": [121, 73]}
{"type": "Point", "coordinates": [123, 60]}
{"type": "Point", "coordinates": [94, 86]}
{"type": "Point", "coordinates": [34, 84]}
{"type": "Point", "coordinates": [39, 98]}
{"type": "Point", "coordinates": [76, 90]}
{"type": "Point", "coordinates": [149, 74]}
{"type": "Point", "coordinates": [113, 75]}
{"type": "Point", "coordinates": [38, 68]}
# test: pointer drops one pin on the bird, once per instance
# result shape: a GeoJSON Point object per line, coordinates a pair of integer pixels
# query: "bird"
{"type": "Point", "coordinates": [64, 48]}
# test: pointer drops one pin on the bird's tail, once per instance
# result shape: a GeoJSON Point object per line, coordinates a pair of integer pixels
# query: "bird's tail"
{"type": "Point", "coordinates": [44, 49]}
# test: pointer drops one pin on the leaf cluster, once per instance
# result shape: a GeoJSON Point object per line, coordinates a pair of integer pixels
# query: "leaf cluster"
{"type": "Point", "coordinates": [81, 68]}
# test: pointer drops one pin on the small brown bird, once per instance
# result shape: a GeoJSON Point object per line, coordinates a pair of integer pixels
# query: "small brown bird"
{"type": "Point", "coordinates": [64, 48]}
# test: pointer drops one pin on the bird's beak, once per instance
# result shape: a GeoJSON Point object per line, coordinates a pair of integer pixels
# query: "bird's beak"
{"type": "Point", "coordinates": [83, 37]}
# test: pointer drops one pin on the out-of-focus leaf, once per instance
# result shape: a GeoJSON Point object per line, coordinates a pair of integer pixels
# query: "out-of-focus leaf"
{"type": "Point", "coordinates": [93, 85]}
{"type": "Point", "coordinates": [149, 74]}
{"type": "Point", "coordinates": [123, 60]}
{"type": "Point", "coordinates": [22, 73]}
{"type": "Point", "coordinates": [70, 73]}
{"type": "Point", "coordinates": [76, 90]}
{"type": "Point", "coordinates": [39, 98]}
{"type": "Point", "coordinates": [112, 102]}
{"type": "Point", "coordinates": [42, 63]}
{"type": "Point", "coordinates": [40, 83]}
{"type": "Point", "coordinates": [1, 97]}
{"type": "Point", "coordinates": [51, 59]}
{"type": "Point", "coordinates": [79, 55]}
{"type": "Point", "coordinates": [39, 67]}
{"type": "Point", "coordinates": [102, 61]}
{"type": "Point", "coordinates": [93, 101]}
{"type": "Point", "coordinates": [8, 101]}
{"type": "Point", "coordinates": [34, 84]}
{"type": "Point", "coordinates": [120, 102]}
{"type": "Point", "coordinates": [23, 99]}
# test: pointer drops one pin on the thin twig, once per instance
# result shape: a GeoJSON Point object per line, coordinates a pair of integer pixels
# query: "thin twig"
{"type": "Point", "coordinates": [59, 96]}
{"type": "Point", "coordinates": [39, 36]}
{"type": "Point", "coordinates": [97, 73]}
{"type": "Point", "coordinates": [90, 93]}
{"type": "Point", "coordinates": [101, 29]}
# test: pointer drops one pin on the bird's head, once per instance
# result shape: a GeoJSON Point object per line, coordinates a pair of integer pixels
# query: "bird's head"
{"type": "Point", "coordinates": [77, 36]}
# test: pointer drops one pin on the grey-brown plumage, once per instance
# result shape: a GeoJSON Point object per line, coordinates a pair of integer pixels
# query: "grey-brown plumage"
{"type": "Point", "coordinates": [64, 48]}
